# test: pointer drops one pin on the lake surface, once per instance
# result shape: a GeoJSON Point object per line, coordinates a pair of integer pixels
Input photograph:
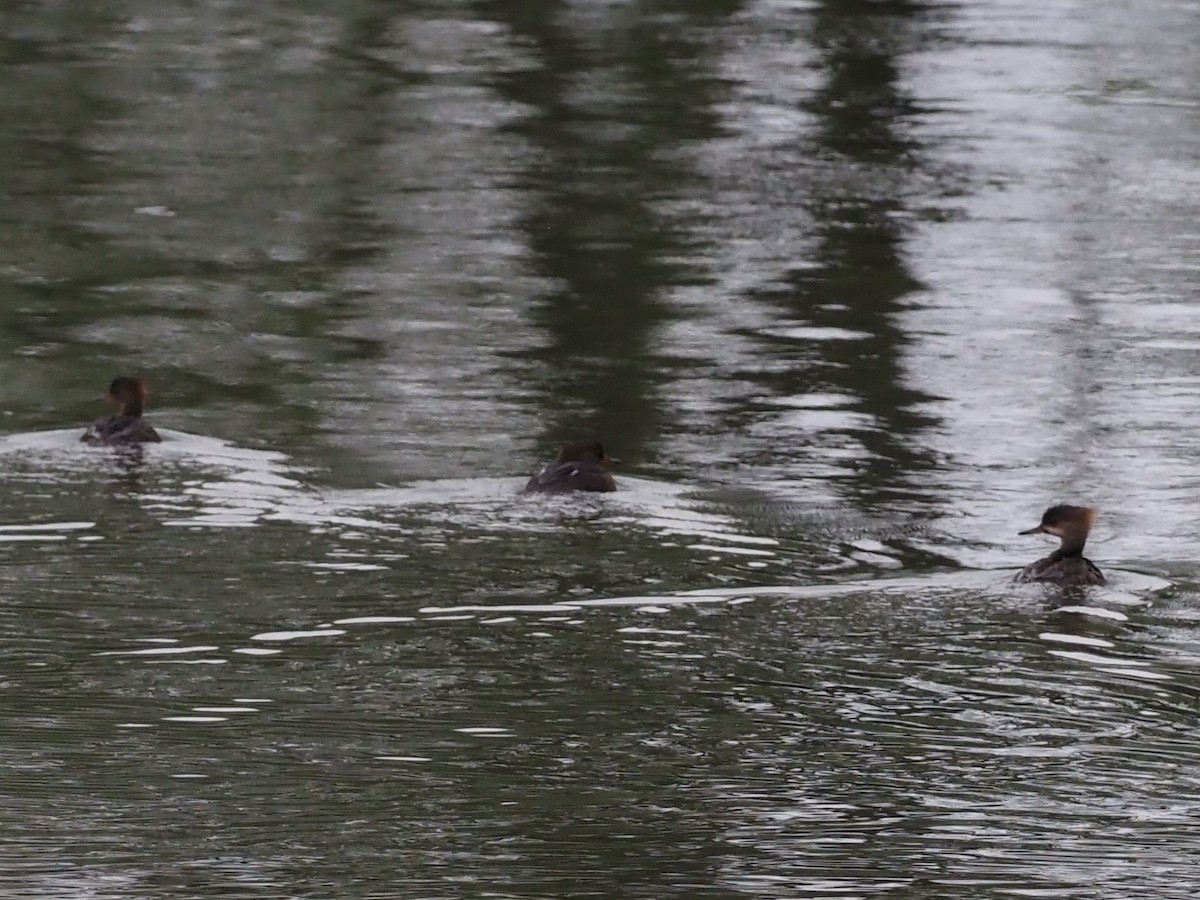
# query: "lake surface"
{"type": "Point", "coordinates": [854, 290]}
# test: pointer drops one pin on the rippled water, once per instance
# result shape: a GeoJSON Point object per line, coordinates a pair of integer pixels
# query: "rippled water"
{"type": "Point", "coordinates": [854, 290]}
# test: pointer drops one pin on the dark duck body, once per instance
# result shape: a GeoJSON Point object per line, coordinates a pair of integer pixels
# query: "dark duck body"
{"type": "Point", "coordinates": [579, 466]}
{"type": "Point", "coordinates": [126, 426]}
{"type": "Point", "coordinates": [1067, 565]}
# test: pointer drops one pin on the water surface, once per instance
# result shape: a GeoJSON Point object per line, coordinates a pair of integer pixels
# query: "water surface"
{"type": "Point", "coordinates": [854, 291]}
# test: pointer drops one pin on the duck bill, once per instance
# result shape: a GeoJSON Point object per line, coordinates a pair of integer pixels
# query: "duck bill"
{"type": "Point", "coordinates": [1038, 530]}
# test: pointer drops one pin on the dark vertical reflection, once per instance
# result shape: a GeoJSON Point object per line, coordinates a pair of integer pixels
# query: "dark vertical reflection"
{"type": "Point", "coordinates": [92, 139]}
{"type": "Point", "coordinates": [346, 109]}
{"type": "Point", "coordinates": [856, 277]}
{"type": "Point", "coordinates": [613, 99]}
{"type": "Point", "coordinates": [52, 105]}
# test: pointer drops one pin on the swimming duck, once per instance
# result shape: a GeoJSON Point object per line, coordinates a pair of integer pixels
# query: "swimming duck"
{"type": "Point", "coordinates": [1067, 565]}
{"type": "Point", "coordinates": [126, 426]}
{"type": "Point", "coordinates": [579, 466]}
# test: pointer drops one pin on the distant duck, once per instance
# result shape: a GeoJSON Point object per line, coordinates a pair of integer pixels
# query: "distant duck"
{"type": "Point", "coordinates": [1067, 565]}
{"type": "Point", "coordinates": [579, 466]}
{"type": "Point", "coordinates": [126, 426]}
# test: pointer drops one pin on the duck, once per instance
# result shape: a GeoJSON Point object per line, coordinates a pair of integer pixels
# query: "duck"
{"type": "Point", "coordinates": [126, 426]}
{"type": "Point", "coordinates": [1067, 565]}
{"type": "Point", "coordinates": [579, 466]}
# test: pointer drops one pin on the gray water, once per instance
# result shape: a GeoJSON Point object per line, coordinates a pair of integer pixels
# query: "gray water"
{"type": "Point", "coordinates": [855, 290]}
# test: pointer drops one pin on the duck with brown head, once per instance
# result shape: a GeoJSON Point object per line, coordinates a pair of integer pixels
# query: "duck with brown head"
{"type": "Point", "coordinates": [126, 426]}
{"type": "Point", "coordinates": [1067, 565]}
{"type": "Point", "coordinates": [579, 466]}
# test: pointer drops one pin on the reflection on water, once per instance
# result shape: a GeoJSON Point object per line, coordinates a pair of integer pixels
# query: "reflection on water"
{"type": "Point", "coordinates": [854, 290]}
{"type": "Point", "coordinates": [371, 658]}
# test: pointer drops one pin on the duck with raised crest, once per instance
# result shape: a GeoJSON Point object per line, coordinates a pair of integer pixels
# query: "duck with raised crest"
{"type": "Point", "coordinates": [1067, 565]}
{"type": "Point", "coordinates": [579, 466]}
{"type": "Point", "coordinates": [126, 426]}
